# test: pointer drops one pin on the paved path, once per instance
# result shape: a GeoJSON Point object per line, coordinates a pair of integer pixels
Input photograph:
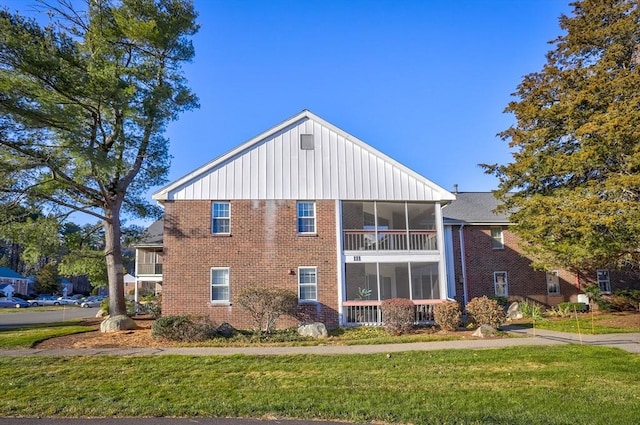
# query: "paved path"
{"type": "Point", "coordinates": [629, 342]}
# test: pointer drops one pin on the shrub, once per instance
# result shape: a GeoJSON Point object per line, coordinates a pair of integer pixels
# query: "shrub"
{"type": "Point", "coordinates": [150, 304]}
{"type": "Point", "coordinates": [184, 328]}
{"type": "Point", "coordinates": [560, 310]}
{"type": "Point", "coordinates": [503, 301]}
{"type": "Point", "coordinates": [531, 309]}
{"type": "Point", "coordinates": [624, 299]}
{"type": "Point", "coordinates": [447, 315]}
{"type": "Point", "coordinates": [398, 315]}
{"type": "Point", "coordinates": [266, 304]}
{"type": "Point", "coordinates": [571, 307]}
{"type": "Point", "coordinates": [484, 311]}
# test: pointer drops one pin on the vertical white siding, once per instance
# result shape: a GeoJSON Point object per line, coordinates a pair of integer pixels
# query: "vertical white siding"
{"type": "Point", "coordinates": [337, 168]}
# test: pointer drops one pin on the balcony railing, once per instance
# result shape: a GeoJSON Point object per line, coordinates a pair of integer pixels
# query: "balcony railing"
{"type": "Point", "coordinates": [390, 240]}
{"type": "Point", "coordinates": [369, 313]}
{"type": "Point", "coordinates": [149, 268]}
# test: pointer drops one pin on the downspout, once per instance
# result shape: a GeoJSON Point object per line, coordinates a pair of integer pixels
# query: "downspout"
{"type": "Point", "coordinates": [465, 294]}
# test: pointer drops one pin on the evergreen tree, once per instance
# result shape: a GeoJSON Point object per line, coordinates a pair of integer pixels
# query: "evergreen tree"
{"type": "Point", "coordinates": [84, 102]}
{"type": "Point", "coordinates": [573, 187]}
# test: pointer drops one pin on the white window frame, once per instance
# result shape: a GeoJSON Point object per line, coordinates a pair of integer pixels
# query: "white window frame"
{"type": "Point", "coordinates": [214, 218]}
{"type": "Point", "coordinates": [604, 279]}
{"type": "Point", "coordinates": [497, 242]}
{"type": "Point", "coordinates": [553, 280]}
{"type": "Point", "coordinates": [495, 284]}
{"type": "Point", "coordinates": [223, 285]}
{"type": "Point", "coordinates": [314, 285]}
{"type": "Point", "coordinates": [301, 218]}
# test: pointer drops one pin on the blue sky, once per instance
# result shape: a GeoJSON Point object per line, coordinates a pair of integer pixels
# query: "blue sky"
{"type": "Point", "coordinates": [425, 82]}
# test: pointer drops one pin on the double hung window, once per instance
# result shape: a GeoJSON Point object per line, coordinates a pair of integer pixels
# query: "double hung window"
{"type": "Point", "coordinates": [220, 218]}
{"type": "Point", "coordinates": [219, 284]}
{"type": "Point", "coordinates": [306, 217]}
{"type": "Point", "coordinates": [307, 283]}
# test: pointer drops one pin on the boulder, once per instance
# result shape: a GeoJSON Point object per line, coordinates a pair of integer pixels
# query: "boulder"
{"type": "Point", "coordinates": [117, 323]}
{"type": "Point", "coordinates": [485, 330]}
{"type": "Point", "coordinates": [225, 330]}
{"type": "Point", "coordinates": [514, 311]}
{"type": "Point", "coordinates": [313, 330]}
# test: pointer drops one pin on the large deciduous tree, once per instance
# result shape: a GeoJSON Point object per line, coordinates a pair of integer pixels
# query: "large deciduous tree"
{"type": "Point", "coordinates": [84, 102]}
{"type": "Point", "coordinates": [575, 175]}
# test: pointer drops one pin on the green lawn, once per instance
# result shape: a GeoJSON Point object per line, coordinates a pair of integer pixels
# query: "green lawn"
{"type": "Point", "coordinates": [520, 385]}
{"type": "Point", "coordinates": [588, 324]}
{"type": "Point", "coordinates": [26, 336]}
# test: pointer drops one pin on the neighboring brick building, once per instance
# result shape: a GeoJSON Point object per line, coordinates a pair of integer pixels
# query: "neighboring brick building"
{"type": "Point", "coordinates": [490, 262]}
{"type": "Point", "coordinates": [303, 206]}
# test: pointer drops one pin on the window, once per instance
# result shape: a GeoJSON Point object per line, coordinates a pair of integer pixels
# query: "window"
{"type": "Point", "coordinates": [553, 283]}
{"type": "Point", "coordinates": [306, 217]}
{"type": "Point", "coordinates": [604, 283]}
{"type": "Point", "coordinates": [220, 218]}
{"type": "Point", "coordinates": [308, 283]}
{"type": "Point", "coordinates": [497, 238]}
{"type": "Point", "coordinates": [220, 284]}
{"type": "Point", "coordinates": [500, 284]}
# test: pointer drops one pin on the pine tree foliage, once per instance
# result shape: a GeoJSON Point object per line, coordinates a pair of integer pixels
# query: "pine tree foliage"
{"type": "Point", "coordinates": [84, 102]}
{"type": "Point", "coordinates": [573, 187]}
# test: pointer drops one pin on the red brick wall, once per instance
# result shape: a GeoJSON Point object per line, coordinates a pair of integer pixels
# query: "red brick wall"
{"type": "Point", "coordinates": [523, 281]}
{"type": "Point", "coordinates": [263, 246]}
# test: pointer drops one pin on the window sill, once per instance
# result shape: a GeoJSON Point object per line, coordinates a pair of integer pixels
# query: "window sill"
{"type": "Point", "coordinates": [308, 302]}
{"type": "Point", "coordinates": [306, 235]}
{"type": "Point", "coordinates": [221, 235]}
{"type": "Point", "coordinates": [220, 303]}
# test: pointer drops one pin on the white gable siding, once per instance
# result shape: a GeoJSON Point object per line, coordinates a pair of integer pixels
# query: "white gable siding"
{"type": "Point", "coordinates": [274, 167]}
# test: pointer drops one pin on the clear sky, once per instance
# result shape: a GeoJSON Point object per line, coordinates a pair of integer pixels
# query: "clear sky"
{"type": "Point", "coordinates": [425, 82]}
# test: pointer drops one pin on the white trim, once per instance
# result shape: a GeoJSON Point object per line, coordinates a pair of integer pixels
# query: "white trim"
{"type": "Point", "coordinates": [496, 241]}
{"type": "Point", "coordinates": [450, 265]}
{"type": "Point", "coordinates": [340, 262]}
{"type": "Point", "coordinates": [506, 284]}
{"type": "Point", "coordinates": [442, 267]}
{"type": "Point", "coordinates": [315, 217]}
{"type": "Point", "coordinates": [223, 218]}
{"type": "Point", "coordinates": [307, 300]}
{"type": "Point", "coordinates": [228, 285]}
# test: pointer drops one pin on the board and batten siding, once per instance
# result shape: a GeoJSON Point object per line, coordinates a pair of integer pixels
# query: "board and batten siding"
{"type": "Point", "coordinates": [273, 166]}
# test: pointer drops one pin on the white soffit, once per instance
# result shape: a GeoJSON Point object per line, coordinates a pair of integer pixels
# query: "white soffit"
{"type": "Point", "coordinates": [324, 163]}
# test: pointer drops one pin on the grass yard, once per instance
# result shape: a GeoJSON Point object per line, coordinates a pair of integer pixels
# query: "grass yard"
{"type": "Point", "coordinates": [26, 336]}
{"type": "Point", "coordinates": [520, 385]}
{"type": "Point", "coordinates": [593, 324]}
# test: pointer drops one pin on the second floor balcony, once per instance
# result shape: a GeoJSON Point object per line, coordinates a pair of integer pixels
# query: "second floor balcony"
{"type": "Point", "coordinates": [153, 268]}
{"type": "Point", "coordinates": [390, 240]}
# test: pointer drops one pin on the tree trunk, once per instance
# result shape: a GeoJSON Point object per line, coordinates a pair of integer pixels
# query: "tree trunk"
{"type": "Point", "coordinates": [113, 256]}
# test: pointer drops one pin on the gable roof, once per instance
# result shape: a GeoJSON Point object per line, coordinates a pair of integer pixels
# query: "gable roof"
{"type": "Point", "coordinates": [152, 236]}
{"type": "Point", "coordinates": [474, 208]}
{"type": "Point", "coordinates": [275, 165]}
{"type": "Point", "coordinates": [6, 272]}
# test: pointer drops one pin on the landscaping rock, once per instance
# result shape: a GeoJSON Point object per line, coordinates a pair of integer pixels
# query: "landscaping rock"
{"type": "Point", "coordinates": [514, 312]}
{"type": "Point", "coordinates": [225, 330]}
{"type": "Point", "coordinates": [117, 323]}
{"type": "Point", "coordinates": [313, 330]}
{"type": "Point", "coordinates": [485, 330]}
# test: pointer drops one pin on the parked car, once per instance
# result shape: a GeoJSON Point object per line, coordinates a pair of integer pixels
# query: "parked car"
{"type": "Point", "coordinates": [12, 302]}
{"type": "Point", "coordinates": [90, 303]}
{"type": "Point", "coordinates": [66, 300]}
{"type": "Point", "coordinates": [44, 300]}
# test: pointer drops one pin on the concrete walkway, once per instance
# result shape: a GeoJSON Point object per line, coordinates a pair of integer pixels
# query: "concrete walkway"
{"type": "Point", "coordinates": [522, 336]}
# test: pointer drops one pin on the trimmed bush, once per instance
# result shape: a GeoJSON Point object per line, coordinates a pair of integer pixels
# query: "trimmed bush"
{"type": "Point", "coordinates": [184, 328]}
{"type": "Point", "coordinates": [398, 315]}
{"type": "Point", "coordinates": [447, 315]}
{"type": "Point", "coordinates": [485, 311]}
{"type": "Point", "coordinates": [266, 304]}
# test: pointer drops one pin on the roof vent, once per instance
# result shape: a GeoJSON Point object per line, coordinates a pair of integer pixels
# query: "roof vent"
{"type": "Point", "coordinates": [306, 142]}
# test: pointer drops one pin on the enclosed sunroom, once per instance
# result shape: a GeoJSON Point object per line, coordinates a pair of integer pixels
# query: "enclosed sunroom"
{"type": "Point", "coordinates": [392, 249]}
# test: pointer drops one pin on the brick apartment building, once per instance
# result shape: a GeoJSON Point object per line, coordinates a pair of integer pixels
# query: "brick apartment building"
{"type": "Point", "coordinates": [303, 206]}
{"type": "Point", "coordinates": [484, 258]}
